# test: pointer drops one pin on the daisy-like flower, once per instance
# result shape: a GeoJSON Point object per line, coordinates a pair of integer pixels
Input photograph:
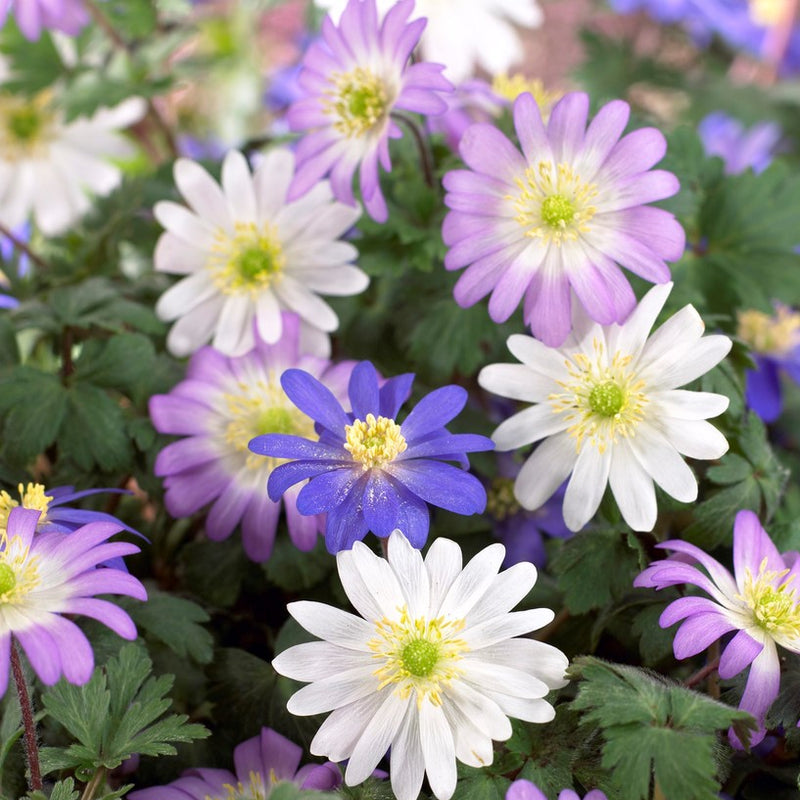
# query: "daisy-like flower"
{"type": "Point", "coordinates": [431, 668]}
{"type": "Point", "coordinates": [223, 403]}
{"type": "Point", "coordinates": [759, 601]}
{"type": "Point", "coordinates": [738, 147]}
{"type": "Point", "coordinates": [774, 341]}
{"type": "Point", "coordinates": [555, 222]}
{"type": "Point", "coordinates": [525, 790]}
{"type": "Point", "coordinates": [249, 253]}
{"type": "Point", "coordinates": [368, 471]}
{"type": "Point", "coordinates": [354, 77]}
{"type": "Point", "coordinates": [44, 576]}
{"type": "Point", "coordinates": [610, 411]}
{"type": "Point", "coordinates": [260, 763]}
{"type": "Point", "coordinates": [462, 35]}
{"type": "Point", "coordinates": [33, 16]}
{"type": "Point", "coordinates": [47, 165]}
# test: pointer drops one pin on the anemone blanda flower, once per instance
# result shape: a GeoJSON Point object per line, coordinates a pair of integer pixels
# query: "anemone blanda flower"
{"type": "Point", "coordinates": [44, 576]}
{"type": "Point", "coordinates": [465, 35]}
{"type": "Point", "coordinates": [366, 470]}
{"type": "Point", "coordinates": [354, 77]}
{"type": "Point", "coordinates": [738, 147]}
{"type": "Point", "coordinates": [759, 601]}
{"type": "Point", "coordinates": [33, 16]}
{"type": "Point", "coordinates": [49, 166]}
{"type": "Point", "coordinates": [774, 342]}
{"type": "Point", "coordinates": [525, 790]}
{"type": "Point", "coordinates": [260, 763]}
{"type": "Point", "coordinates": [249, 254]}
{"type": "Point", "coordinates": [552, 224]}
{"type": "Point", "coordinates": [223, 403]}
{"type": "Point", "coordinates": [431, 668]}
{"type": "Point", "coordinates": [610, 412]}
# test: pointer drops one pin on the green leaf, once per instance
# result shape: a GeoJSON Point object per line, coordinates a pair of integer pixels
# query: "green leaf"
{"type": "Point", "coordinates": [118, 713]}
{"type": "Point", "coordinates": [122, 362]}
{"type": "Point", "coordinates": [63, 790]}
{"type": "Point", "coordinates": [175, 622]}
{"type": "Point", "coordinates": [650, 726]}
{"type": "Point", "coordinates": [596, 567]}
{"type": "Point", "coordinates": [214, 571]}
{"type": "Point", "coordinates": [33, 65]}
{"type": "Point", "coordinates": [295, 570]}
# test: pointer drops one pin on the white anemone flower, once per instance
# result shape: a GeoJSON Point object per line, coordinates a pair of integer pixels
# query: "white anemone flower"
{"type": "Point", "coordinates": [464, 33]}
{"type": "Point", "coordinates": [249, 254]}
{"type": "Point", "coordinates": [432, 668]}
{"type": "Point", "coordinates": [608, 407]}
{"type": "Point", "coordinates": [51, 168]}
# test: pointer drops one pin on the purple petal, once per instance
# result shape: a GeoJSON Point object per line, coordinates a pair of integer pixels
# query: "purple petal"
{"type": "Point", "coordinates": [286, 475]}
{"type": "Point", "coordinates": [286, 445]}
{"type": "Point", "coordinates": [5, 661]}
{"type": "Point", "coordinates": [434, 411]}
{"type": "Point", "coordinates": [486, 150]}
{"type": "Point", "coordinates": [524, 790]}
{"type": "Point", "coordinates": [320, 777]}
{"type": "Point", "coordinates": [22, 522]}
{"type": "Point", "coordinates": [380, 504]}
{"type": "Point", "coordinates": [109, 614]}
{"type": "Point", "coordinates": [41, 651]}
{"type": "Point", "coordinates": [394, 393]}
{"type": "Point", "coordinates": [344, 526]}
{"type": "Point", "coordinates": [442, 485]}
{"type": "Point", "coordinates": [761, 689]}
{"type": "Point", "coordinates": [447, 446]}
{"type": "Point", "coordinates": [363, 390]}
{"type": "Point", "coordinates": [698, 632]}
{"type": "Point", "coordinates": [739, 653]}
{"type": "Point", "coordinates": [326, 491]}
{"type": "Point", "coordinates": [763, 389]}
{"type": "Point", "coordinates": [314, 399]}
{"type": "Point", "coordinates": [303, 530]}
{"type": "Point", "coordinates": [685, 607]}
{"type": "Point", "coordinates": [259, 525]}
{"type": "Point", "coordinates": [751, 546]}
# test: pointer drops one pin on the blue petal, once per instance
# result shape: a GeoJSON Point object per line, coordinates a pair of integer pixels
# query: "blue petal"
{"type": "Point", "coordinates": [441, 485]}
{"type": "Point", "coordinates": [380, 504]}
{"type": "Point", "coordinates": [763, 390]}
{"type": "Point", "coordinates": [66, 494]}
{"type": "Point", "coordinates": [363, 390]}
{"type": "Point", "coordinates": [315, 400]}
{"type": "Point", "coordinates": [286, 475]}
{"type": "Point", "coordinates": [394, 393]}
{"type": "Point", "coordinates": [450, 446]}
{"type": "Point", "coordinates": [286, 445]}
{"type": "Point", "coordinates": [328, 490]}
{"type": "Point", "coordinates": [413, 518]}
{"type": "Point", "coordinates": [434, 411]}
{"type": "Point", "coordinates": [75, 517]}
{"type": "Point", "coordinates": [344, 525]}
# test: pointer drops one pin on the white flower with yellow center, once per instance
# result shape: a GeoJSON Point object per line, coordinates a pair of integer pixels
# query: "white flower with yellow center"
{"type": "Point", "coordinates": [608, 407]}
{"type": "Point", "coordinates": [50, 168]}
{"type": "Point", "coordinates": [432, 668]}
{"type": "Point", "coordinates": [249, 254]}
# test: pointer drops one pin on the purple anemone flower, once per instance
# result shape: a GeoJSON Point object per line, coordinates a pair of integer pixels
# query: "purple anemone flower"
{"type": "Point", "coordinates": [555, 222]}
{"type": "Point", "coordinates": [353, 78]}
{"type": "Point", "coordinates": [224, 402]}
{"type": "Point", "coordinates": [67, 16]}
{"type": "Point", "coordinates": [366, 470]}
{"type": "Point", "coordinates": [759, 602]}
{"type": "Point", "coordinates": [525, 790]}
{"type": "Point", "coordinates": [44, 576]}
{"type": "Point", "coordinates": [260, 763]}
{"type": "Point", "coordinates": [738, 147]}
{"type": "Point", "coordinates": [774, 341]}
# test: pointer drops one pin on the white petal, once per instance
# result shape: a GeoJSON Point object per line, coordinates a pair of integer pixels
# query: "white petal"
{"type": "Point", "coordinates": [406, 562]}
{"type": "Point", "coordinates": [473, 747]}
{"type": "Point", "coordinates": [438, 750]}
{"type": "Point", "coordinates": [530, 710]}
{"type": "Point", "coordinates": [334, 692]}
{"type": "Point", "coordinates": [443, 563]}
{"type": "Point", "coordinates": [271, 181]}
{"type": "Point", "coordinates": [527, 426]}
{"type": "Point", "coordinates": [515, 623]}
{"type": "Point", "coordinates": [517, 382]}
{"type": "Point", "coordinates": [484, 712]}
{"type": "Point", "coordinates": [407, 764]}
{"type": "Point", "coordinates": [548, 361]}
{"type": "Point", "coordinates": [313, 661]}
{"type": "Point", "coordinates": [487, 675]}
{"type": "Point", "coordinates": [268, 316]}
{"type": "Point", "coordinates": [376, 738]}
{"type": "Point", "coordinates": [694, 438]}
{"type": "Point", "coordinates": [338, 281]}
{"type": "Point", "coordinates": [185, 225]}
{"type": "Point", "coordinates": [679, 368]}
{"type": "Point", "coordinates": [185, 295]}
{"type": "Point", "coordinates": [586, 486]}
{"type": "Point", "coordinates": [664, 464]}
{"type": "Point", "coordinates": [338, 734]}
{"type": "Point", "coordinates": [202, 193]}
{"type": "Point", "coordinates": [506, 590]}
{"type": "Point", "coordinates": [174, 255]}
{"type": "Point", "coordinates": [370, 583]}
{"type": "Point", "coordinates": [332, 625]}
{"type": "Point", "coordinates": [237, 183]}
{"type": "Point", "coordinates": [296, 297]}
{"type": "Point", "coordinates": [543, 660]}
{"type": "Point", "coordinates": [633, 488]}
{"type": "Point", "coordinates": [630, 338]}
{"type": "Point", "coordinates": [545, 470]}
{"type": "Point", "coordinates": [680, 404]}
{"type": "Point", "coordinates": [234, 335]}
{"type": "Point", "coordinates": [468, 588]}
{"type": "Point", "coordinates": [195, 328]}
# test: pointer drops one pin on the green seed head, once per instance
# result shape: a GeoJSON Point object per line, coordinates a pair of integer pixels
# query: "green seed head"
{"type": "Point", "coordinates": [557, 211]}
{"type": "Point", "coordinates": [254, 263]}
{"type": "Point", "coordinates": [276, 420]}
{"type": "Point", "coordinates": [606, 399]}
{"type": "Point", "coordinates": [24, 123]}
{"type": "Point", "coordinates": [8, 579]}
{"type": "Point", "coordinates": [420, 657]}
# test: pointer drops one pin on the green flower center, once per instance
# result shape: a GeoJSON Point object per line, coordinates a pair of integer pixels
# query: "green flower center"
{"type": "Point", "coordinates": [25, 123]}
{"type": "Point", "coordinates": [420, 656]}
{"type": "Point", "coordinates": [255, 263]}
{"type": "Point", "coordinates": [606, 399]}
{"type": "Point", "coordinates": [361, 102]}
{"type": "Point", "coordinates": [501, 502]}
{"type": "Point", "coordinates": [774, 602]}
{"type": "Point", "coordinates": [558, 211]}
{"type": "Point", "coordinates": [276, 420]}
{"type": "Point", "coordinates": [8, 579]}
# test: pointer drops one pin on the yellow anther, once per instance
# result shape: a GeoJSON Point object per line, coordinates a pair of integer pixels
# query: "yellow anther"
{"type": "Point", "coordinates": [248, 261]}
{"type": "Point", "coordinates": [374, 442]}
{"type": "Point", "coordinates": [767, 334]}
{"type": "Point", "coordinates": [360, 101]}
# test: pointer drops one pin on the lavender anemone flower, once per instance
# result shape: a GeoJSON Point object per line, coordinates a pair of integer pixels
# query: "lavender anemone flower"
{"type": "Point", "coordinates": [774, 342]}
{"type": "Point", "coordinates": [366, 470]}
{"type": "Point", "coordinates": [354, 77]}
{"type": "Point", "coordinates": [44, 576]}
{"type": "Point", "coordinates": [67, 16]}
{"type": "Point", "coordinates": [555, 222]}
{"type": "Point", "coordinates": [759, 602]}
{"type": "Point", "coordinates": [223, 403]}
{"type": "Point", "coordinates": [260, 763]}
{"type": "Point", "coordinates": [525, 790]}
{"type": "Point", "coordinates": [740, 149]}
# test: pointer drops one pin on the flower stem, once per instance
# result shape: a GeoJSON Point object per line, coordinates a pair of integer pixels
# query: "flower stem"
{"type": "Point", "coordinates": [701, 674]}
{"type": "Point", "coordinates": [28, 722]}
{"type": "Point", "coordinates": [713, 678]}
{"type": "Point", "coordinates": [424, 153]}
{"type": "Point", "coordinates": [23, 246]}
{"type": "Point", "coordinates": [91, 787]}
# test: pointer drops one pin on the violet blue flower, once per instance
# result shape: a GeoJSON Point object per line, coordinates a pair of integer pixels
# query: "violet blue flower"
{"type": "Point", "coordinates": [44, 576]}
{"type": "Point", "coordinates": [223, 403]}
{"type": "Point", "coordinates": [354, 77]}
{"type": "Point", "coordinates": [67, 16]}
{"type": "Point", "coordinates": [260, 763]}
{"type": "Point", "coordinates": [759, 602]}
{"type": "Point", "coordinates": [774, 342]}
{"type": "Point", "coordinates": [740, 149]}
{"type": "Point", "coordinates": [555, 222]}
{"type": "Point", "coordinates": [525, 790]}
{"type": "Point", "coordinates": [366, 470]}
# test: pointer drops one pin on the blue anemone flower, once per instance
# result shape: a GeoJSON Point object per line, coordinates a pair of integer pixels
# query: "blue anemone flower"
{"type": "Point", "coordinates": [366, 470]}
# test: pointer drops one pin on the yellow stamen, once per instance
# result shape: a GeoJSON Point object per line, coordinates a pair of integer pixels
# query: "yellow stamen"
{"type": "Point", "coordinates": [773, 602]}
{"type": "Point", "coordinates": [511, 87]}
{"type": "Point", "coordinates": [374, 442]}
{"type": "Point", "coordinates": [26, 126]}
{"type": "Point", "coordinates": [360, 100]}
{"type": "Point", "coordinates": [249, 261]}
{"type": "Point", "coordinates": [767, 334]}
{"type": "Point", "coordinates": [31, 496]}
{"type": "Point", "coordinates": [768, 12]}
{"type": "Point", "coordinates": [253, 790]}
{"type": "Point", "coordinates": [18, 572]}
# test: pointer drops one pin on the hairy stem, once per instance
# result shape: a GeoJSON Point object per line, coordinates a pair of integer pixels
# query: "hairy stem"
{"type": "Point", "coordinates": [424, 153]}
{"type": "Point", "coordinates": [28, 722]}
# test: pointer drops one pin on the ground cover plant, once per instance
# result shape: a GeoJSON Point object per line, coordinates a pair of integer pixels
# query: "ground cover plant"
{"type": "Point", "coordinates": [399, 399]}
